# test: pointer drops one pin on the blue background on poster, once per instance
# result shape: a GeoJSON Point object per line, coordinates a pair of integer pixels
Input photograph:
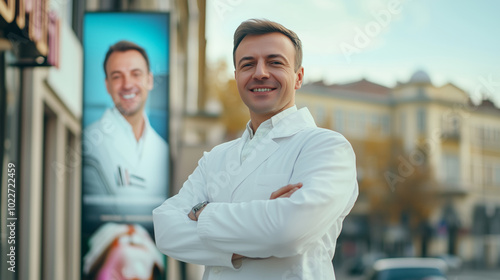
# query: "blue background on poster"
{"type": "Point", "coordinates": [149, 30]}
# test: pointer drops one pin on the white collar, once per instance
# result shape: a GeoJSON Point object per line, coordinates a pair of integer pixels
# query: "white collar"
{"type": "Point", "coordinates": [115, 113]}
{"type": "Point", "coordinates": [274, 120]}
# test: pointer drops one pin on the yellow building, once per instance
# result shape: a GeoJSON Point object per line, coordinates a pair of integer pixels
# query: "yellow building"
{"type": "Point", "coordinates": [428, 163]}
{"type": "Point", "coordinates": [41, 77]}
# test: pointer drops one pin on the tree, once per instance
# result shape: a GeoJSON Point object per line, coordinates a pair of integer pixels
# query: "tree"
{"type": "Point", "coordinates": [235, 114]}
{"type": "Point", "coordinates": [401, 194]}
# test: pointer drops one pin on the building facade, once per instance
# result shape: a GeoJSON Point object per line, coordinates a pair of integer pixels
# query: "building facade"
{"type": "Point", "coordinates": [41, 74]}
{"type": "Point", "coordinates": [41, 89]}
{"type": "Point", "coordinates": [427, 156]}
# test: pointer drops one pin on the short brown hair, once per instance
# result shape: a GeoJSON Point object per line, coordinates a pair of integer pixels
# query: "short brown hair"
{"type": "Point", "coordinates": [123, 46]}
{"type": "Point", "coordinates": [264, 26]}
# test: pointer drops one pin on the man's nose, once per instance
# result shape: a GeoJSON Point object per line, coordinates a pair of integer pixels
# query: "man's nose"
{"type": "Point", "coordinates": [261, 71]}
{"type": "Point", "coordinates": [127, 82]}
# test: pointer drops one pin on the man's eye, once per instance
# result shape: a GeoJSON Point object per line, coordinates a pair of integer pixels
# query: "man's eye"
{"type": "Point", "coordinates": [276, 62]}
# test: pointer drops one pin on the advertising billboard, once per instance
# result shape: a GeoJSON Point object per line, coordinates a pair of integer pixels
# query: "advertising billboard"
{"type": "Point", "coordinates": [125, 150]}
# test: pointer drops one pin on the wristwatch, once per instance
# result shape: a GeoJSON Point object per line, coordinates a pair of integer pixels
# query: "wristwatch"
{"type": "Point", "coordinates": [198, 207]}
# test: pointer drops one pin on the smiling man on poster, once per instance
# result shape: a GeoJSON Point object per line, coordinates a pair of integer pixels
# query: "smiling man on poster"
{"type": "Point", "coordinates": [125, 156]}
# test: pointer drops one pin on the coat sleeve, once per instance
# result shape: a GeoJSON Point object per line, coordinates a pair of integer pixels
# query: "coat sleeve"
{"type": "Point", "coordinates": [286, 227]}
{"type": "Point", "coordinates": [176, 235]}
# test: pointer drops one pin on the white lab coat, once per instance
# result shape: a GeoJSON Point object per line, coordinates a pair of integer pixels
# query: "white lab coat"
{"type": "Point", "coordinates": [285, 238]}
{"type": "Point", "coordinates": [119, 169]}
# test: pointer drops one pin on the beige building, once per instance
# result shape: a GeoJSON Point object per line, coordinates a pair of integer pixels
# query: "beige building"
{"type": "Point", "coordinates": [429, 141]}
{"type": "Point", "coordinates": [41, 66]}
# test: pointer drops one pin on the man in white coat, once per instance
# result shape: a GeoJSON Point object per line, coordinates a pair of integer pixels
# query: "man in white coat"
{"type": "Point", "coordinates": [269, 205]}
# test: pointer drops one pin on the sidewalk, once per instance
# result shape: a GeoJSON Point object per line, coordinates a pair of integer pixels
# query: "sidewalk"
{"type": "Point", "coordinates": [475, 274]}
{"type": "Point", "coordinates": [463, 274]}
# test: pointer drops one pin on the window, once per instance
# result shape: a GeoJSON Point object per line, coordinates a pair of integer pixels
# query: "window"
{"type": "Point", "coordinates": [72, 198]}
{"type": "Point", "coordinates": [386, 125]}
{"type": "Point", "coordinates": [455, 124]}
{"type": "Point", "coordinates": [402, 123]}
{"type": "Point", "coordinates": [496, 175]}
{"type": "Point", "coordinates": [356, 123]}
{"type": "Point", "coordinates": [450, 125]}
{"type": "Point", "coordinates": [361, 124]}
{"type": "Point", "coordinates": [339, 121]}
{"type": "Point", "coordinates": [421, 120]}
{"type": "Point", "coordinates": [320, 114]}
{"type": "Point", "coordinates": [352, 122]}
{"type": "Point", "coordinates": [488, 174]}
{"type": "Point", "coordinates": [420, 92]}
{"type": "Point", "coordinates": [488, 136]}
{"type": "Point", "coordinates": [451, 169]}
{"type": "Point", "coordinates": [49, 191]}
{"type": "Point", "coordinates": [375, 122]}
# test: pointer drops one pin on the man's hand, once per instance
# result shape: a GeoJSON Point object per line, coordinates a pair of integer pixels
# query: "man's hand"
{"type": "Point", "coordinates": [286, 191]}
{"type": "Point", "coordinates": [193, 217]}
{"type": "Point", "coordinates": [237, 257]}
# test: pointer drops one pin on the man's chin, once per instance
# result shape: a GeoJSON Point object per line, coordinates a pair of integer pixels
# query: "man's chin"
{"type": "Point", "coordinates": [263, 110]}
{"type": "Point", "coordinates": [128, 112]}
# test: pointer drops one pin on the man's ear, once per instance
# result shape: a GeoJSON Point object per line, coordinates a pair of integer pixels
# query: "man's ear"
{"type": "Point", "coordinates": [299, 77]}
{"type": "Point", "coordinates": [151, 81]}
{"type": "Point", "coordinates": [107, 85]}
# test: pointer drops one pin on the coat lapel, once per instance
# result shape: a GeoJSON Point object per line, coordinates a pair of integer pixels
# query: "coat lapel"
{"type": "Point", "coordinates": [285, 128]}
{"type": "Point", "coordinates": [262, 152]}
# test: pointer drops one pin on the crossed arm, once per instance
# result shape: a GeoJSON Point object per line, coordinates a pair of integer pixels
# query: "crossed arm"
{"type": "Point", "coordinates": [262, 228]}
{"type": "Point", "coordinates": [283, 192]}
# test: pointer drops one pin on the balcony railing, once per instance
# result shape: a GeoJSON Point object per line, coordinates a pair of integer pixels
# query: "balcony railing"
{"type": "Point", "coordinates": [453, 188]}
{"type": "Point", "coordinates": [451, 135]}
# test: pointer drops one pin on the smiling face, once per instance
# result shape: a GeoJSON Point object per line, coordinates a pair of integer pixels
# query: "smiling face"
{"type": "Point", "coordinates": [265, 74]}
{"type": "Point", "coordinates": [128, 81]}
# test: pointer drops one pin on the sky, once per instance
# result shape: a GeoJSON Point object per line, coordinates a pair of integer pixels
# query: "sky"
{"type": "Point", "coordinates": [384, 41]}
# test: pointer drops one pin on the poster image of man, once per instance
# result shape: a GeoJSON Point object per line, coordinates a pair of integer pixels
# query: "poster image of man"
{"type": "Point", "coordinates": [124, 154]}
{"type": "Point", "coordinates": [125, 173]}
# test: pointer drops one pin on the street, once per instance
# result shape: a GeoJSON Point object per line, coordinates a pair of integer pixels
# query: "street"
{"type": "Point", "coordinates": [464, 274]}
{"type": "Point", "coordinates": [475, 275]}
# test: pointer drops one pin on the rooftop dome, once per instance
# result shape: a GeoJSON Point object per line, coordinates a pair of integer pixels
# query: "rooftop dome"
{"type": "Point", "coordinates": [420, 77]}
